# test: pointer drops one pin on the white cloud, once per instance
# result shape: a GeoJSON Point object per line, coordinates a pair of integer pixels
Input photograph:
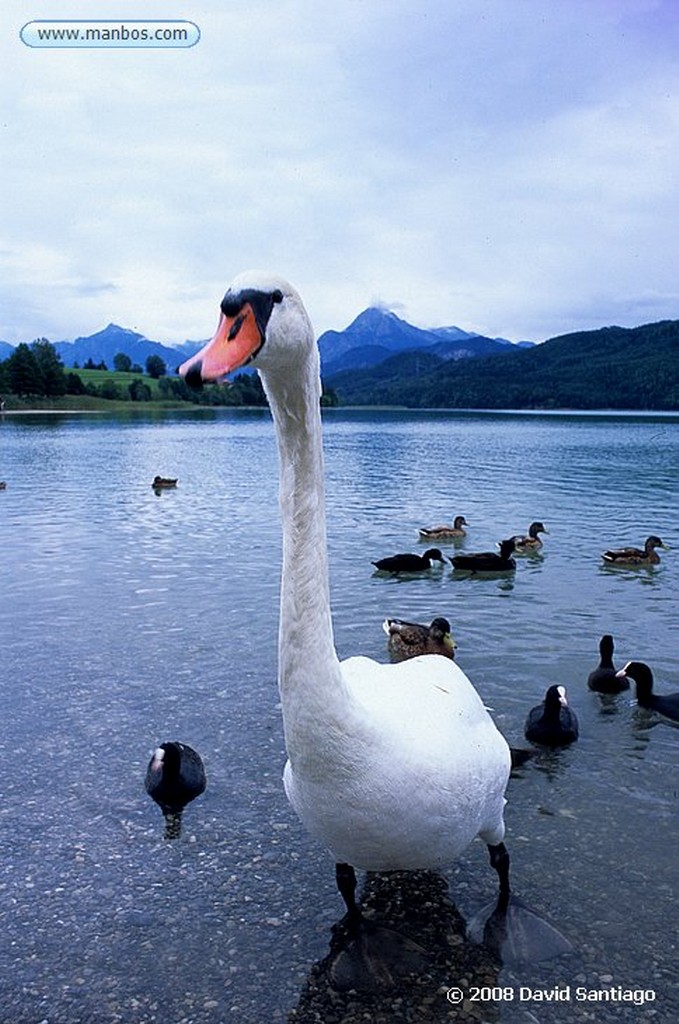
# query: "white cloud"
{"type": "Point", "coordinates": [508, 166]}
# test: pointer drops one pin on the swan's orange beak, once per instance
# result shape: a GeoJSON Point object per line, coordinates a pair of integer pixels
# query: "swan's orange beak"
{"type": "Point", "coordinates": [236, 340]}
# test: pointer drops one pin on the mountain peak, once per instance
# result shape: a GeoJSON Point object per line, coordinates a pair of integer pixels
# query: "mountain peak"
{"type": "Point", "coordinates": [373, 318]}
{"type": "Point", "coordinates": [113, 331]}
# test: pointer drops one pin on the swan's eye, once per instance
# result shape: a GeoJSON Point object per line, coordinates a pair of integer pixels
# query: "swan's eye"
{"type": "Point", "coordinates": [236, 326]}
{"type": "Point", "coordinates": [277, 296]}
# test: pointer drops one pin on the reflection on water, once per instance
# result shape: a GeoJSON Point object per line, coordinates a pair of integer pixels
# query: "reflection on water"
{"type": "Point", "coordinates": [416, 904]}
{"type": "Point", "coordinates": [128, 617]}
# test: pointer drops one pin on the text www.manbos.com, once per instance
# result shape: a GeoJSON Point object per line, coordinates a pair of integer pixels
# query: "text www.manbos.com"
{"type": "Point", "coordinates": [110, 33]}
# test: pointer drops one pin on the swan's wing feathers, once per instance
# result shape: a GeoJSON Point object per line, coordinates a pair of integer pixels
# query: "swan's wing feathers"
{"type": "Point", "coordinates": [429, 695]}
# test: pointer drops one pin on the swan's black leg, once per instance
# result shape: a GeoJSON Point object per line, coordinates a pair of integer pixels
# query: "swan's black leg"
{"type": "Point", "coordinates": [365, 955]}
{"type": "Point", "coordinates": [499, 860]}
{"type": "Point", "coordinates": [346, 883]}
{"type": "Point", "coordinates": [510, 928]}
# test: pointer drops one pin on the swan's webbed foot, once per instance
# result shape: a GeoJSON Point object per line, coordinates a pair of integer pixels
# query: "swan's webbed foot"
{"type": "Point", "coordinates": [517, 934]}
{"type": "Point", "coordinates": [511, 929]}
{"type": "Point", "coordinates": [366, 956]}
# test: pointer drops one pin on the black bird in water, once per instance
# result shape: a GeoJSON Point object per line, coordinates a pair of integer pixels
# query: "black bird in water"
{"type": "Point", "coordinates": [488, 561]}
{"type": "Point", "coordinates": [665, 704]}
{"type": "Point", "coordinates": [552, 723]}
{"type": "Point", "coordinates": [175, 776]}
{"type": "Point", "coordinates": [604, 678]}
{"type": "Point", "coordinates": [409, 563]}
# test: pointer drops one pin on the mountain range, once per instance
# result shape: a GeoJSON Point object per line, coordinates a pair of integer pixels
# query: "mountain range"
{"type": "Point", "coordinates": [375, 335]}
{"type": "Point", "coordinates": [380, 359]}
{"type": "Point", "coordinates": [610, 368]}
{"type": "Point", "coordinates": [104, 345]}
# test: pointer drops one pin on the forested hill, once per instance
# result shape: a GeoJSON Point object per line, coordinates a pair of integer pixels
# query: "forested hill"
{"type": "Point", "coordinates": [611, 368]}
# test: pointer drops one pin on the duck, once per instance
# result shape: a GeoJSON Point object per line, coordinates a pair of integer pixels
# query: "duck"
{"type": "Point", "coordinates": [389, 766]}
{"type": "Point", "coordinates": [527, 543]}
{"type": "Point", "coordinates": [488, 561]}
{"type": "Point", "coordinates": [408, 562]}
{"type": "Point", "coordinates": [410, 639]}
{"type": "Point", "coordinates": [3, 485]}
{"type": "Point", "coordinates": [444, 532]}
{"type": "Point", "coordinates": [552, 723]}
{"type": "Point", "coordinates": [666, 704]}
{"type": "Point", "coordinates": [174, 777]}
{"type": "Point", "coordinates": [163, 483]}
{"type": "Point", "coordinates": [636, 556]}
{"type": "Point", "coordinates": [604, 678]}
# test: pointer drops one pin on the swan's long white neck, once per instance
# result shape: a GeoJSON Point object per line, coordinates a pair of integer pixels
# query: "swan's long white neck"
{"type": "Point", "coordinates": [310, 678]}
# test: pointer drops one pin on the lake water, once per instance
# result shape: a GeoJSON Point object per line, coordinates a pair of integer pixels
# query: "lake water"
{"type": "Point", "coordinates": [128, 618]}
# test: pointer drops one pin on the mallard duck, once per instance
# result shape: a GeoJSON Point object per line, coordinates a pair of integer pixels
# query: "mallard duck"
{"type": "Point", "coordinates": [635, 556]}
{"type": "Point", "coordinates": [604, 678]}
{"type": "Point", "coordinates": [665, 704]}
{"type": "Point", "coordinates": [409, 639]}
{"type": "Point", "coordinates": [488, 561]}
{"type": "Point", "coordinates": [526, 543]}
{"type": "Point", "coordinates": [552, 723]}
{"type": "Point", "coordinates": [163, 483]}
{"type": "Point", "coordinates": [391, 767]}
{"type": "Point", "coordinates": [445, 532]}
{"type": "Point", "coordinates": [409, 563]}
{"type": "Point", "coordinates": [3, 485]}
{"type": "Point", "coordinates": [175, 776]}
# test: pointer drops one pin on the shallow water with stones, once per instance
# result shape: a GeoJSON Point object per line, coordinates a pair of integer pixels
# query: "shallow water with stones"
{"type": "Point", "coordinates": [129, 617]}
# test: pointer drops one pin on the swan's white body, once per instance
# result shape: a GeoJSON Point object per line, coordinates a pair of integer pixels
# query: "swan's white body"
{"type": "Point", "coordinates": [409, 774]}
{"type": "Point", "coordinates": [390, 766]}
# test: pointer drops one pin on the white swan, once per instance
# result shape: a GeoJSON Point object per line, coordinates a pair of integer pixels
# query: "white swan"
{"type": "Point", "coordinates": [394, 766]}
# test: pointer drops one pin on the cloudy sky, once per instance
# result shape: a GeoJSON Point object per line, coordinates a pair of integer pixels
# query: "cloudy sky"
{"type": "Point", "coordinates": [509, 166]}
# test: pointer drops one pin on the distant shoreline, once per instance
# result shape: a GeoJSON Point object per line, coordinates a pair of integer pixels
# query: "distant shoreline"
{"type": "Point", "coordinates": [187, 407]}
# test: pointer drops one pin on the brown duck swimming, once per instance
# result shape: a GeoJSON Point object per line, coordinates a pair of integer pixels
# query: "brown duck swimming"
{"type": "Point", "coordinates": [408, 639]}
{"type": "Point", "coordinates": [635, 556]}
{"type": "Point", "coordinates": [163, 483]}
{"type": "Point", "coordinates": [445, 532]}
{"type": "Point", "coordinates": [525, 543]}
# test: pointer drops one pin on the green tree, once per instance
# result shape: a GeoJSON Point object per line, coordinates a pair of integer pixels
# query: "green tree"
{"type": "Point", "coordinates": [109, 389]}
{"type": "Point", "coordinates": [74, 384]}
{"type": "Point", "coordinates": [122, 362]}
{"type": "Point", "coordinates": [155, 367]}
{"type": "Point", "coordinates": [25, 377]}
{"type": "Point", "coordinates": [51, 368]}
{"type": "Point", "coordinates": [139, 391]}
